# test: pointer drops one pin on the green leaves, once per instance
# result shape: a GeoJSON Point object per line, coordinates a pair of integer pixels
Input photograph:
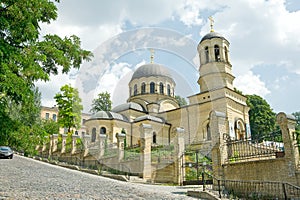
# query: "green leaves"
{"type": "Point", "coordinates": [69, 106]}
{"type": "Point", "coordinates": [103, 102]}
{"type": "Point", "coordinates": [261, 116]}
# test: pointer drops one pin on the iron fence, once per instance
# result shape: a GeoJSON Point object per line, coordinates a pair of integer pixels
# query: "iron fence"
{"type": "Point", "coordinates": [247, 149]}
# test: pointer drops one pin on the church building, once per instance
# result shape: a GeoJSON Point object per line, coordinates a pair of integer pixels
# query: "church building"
{"type": "Point", "coordinates": [152, 101]}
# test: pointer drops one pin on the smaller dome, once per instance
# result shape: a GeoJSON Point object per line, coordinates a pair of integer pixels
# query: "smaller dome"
{"type": "Point", "coordinates": [127, 106]}
{"type": "Point", "coordinates": [108, 115]}
{"type": "Point", "coordinates": [212, 35]}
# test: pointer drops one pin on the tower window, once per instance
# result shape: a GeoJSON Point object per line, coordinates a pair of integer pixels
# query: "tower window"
{"type": "Point", "coordinates": [217, 53]}
{"type": "Point", "coordinates": [135, 90]}
{"type": "Point", "coordinates": [93, 135]}
{"type": "Point", "coordinates": [143, 88]}
{"type": "Point", "coordinates": [161, 88]}
{"type": "Point", "coordinates": [169, 90]}
{"type": "Point", "coordinates": [226, 54]}
{"type": "Point", "coordinates": [206, 55]}
{"type": "Point", "coordinates": [152, 87]}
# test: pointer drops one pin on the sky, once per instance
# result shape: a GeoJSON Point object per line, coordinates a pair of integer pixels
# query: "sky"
{"type": "Point", "coordinates": [264, 50]}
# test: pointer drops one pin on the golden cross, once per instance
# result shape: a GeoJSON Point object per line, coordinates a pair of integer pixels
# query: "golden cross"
{"type": "Point", "coordinates": [211, 24]}
{"type": "Point", "coordinates": [152, 55]}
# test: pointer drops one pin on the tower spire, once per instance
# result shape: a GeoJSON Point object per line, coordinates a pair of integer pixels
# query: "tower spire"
{"type": "Point", "coordinates": [211, 23]}
{"type": "Point", "coordinates": [152, 55]}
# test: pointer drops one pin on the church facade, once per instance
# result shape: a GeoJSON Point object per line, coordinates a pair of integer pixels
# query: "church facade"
{"type": "Point", "coordinates": [152, 101]}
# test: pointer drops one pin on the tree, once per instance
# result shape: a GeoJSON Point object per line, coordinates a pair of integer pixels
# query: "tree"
{"type": "Point", "coordinates": [297, 117]}
{"type": "Point", "coordinates": [261, 116]}
{"type": "Point", "coordinates": [181, 100]}
{"type": "Point", "coordinates": [26, 57]}
{"type": "Point", "coordinates": [103, 102]}
{"type": "Point", "coordinates": [69, 107]}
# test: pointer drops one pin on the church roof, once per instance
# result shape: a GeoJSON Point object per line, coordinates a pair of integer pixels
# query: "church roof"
{"type": "Point", "coordinates": [109, 115]}
{"type": "Point", "coordinates": [151, 69]}
{"type": "Point", "coordinates": [149, 117]}
{"type": "Point", "coordinates": [211, 35]}
{"type": "Point", "coordinates": [127, 106]}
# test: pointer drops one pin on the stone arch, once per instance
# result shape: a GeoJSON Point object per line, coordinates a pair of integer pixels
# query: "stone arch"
{"type": "Point", "coordinates": [239, 129]}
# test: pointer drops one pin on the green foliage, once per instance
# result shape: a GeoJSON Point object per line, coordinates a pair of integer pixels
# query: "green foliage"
{"type": "Point", "coordinates": [261, 116]}
{"type": "Point", "coordinates": [69, 106]}
{"type": "Point", "coordinates": [181, 100]}
{"type": "Point", "coordinates": [297, 117]}
{"type": "Point", "coordinates": [25, 57]}
{"type": "Point", "coordinates": [103, 102]}
{"type": "Point", "coordinates": [50, 127]}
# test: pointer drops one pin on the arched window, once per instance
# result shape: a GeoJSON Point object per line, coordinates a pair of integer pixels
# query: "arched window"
{"type": "Point", "coordinates": [161, 88]}
{"type": "Point", "coordinates": [208, 133]}
{"type": "Point", "coordinates": [135, 90]}
{"type": "Point", "coordinates": [152, 87]}
{"type": "Point", "coordinates": [93, 135]}
{"type": "Point", "coordinates": [169, 90]}
{"type": "Point", "coordinates": [143, 88]}
{"type": "Point", "coordinates": [154, 138]}
{"type": "Point", "coordinates": [102, 130]}
{"type": "Point", "coordinates": [206, 55]}
{"type": "Point", "coordinates": [217, 53]}
{"type": "Point", "coordinates": [226, 54]}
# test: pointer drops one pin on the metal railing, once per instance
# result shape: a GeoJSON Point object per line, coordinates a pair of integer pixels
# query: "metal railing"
{"type": "Point", "coordinates": [236, 189]}
{"type": "Point", "coordinates": [247, 149]}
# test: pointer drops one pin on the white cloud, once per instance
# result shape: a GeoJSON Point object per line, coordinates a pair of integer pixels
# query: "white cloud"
{"type": "Point", "coordinates": [251, 84]}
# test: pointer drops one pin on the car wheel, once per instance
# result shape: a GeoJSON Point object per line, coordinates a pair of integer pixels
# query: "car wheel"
{"type": "Point", "coordinates": [11, 157]}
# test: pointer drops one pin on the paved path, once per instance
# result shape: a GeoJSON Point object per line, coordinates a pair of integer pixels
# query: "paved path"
{"type": "Point", "coordinates": [24, 178]}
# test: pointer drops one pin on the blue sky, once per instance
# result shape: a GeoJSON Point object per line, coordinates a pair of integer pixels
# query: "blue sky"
{"type": "Point", "coordinates": [263, 35]}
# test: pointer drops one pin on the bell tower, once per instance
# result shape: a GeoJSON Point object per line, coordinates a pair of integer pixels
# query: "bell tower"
{"type": "Point", "coordinates": [215, 68]}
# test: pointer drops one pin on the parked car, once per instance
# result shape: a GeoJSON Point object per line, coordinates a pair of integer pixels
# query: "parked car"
{"type": "Point", "coordinates": [6, 152]}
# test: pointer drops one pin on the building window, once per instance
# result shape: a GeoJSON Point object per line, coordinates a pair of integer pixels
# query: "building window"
{"type": "Point", "coordinates": [154, 138]}
{"type": "Point", "coordinates": [208, 136]}
{"type": "Point", "coordinates": [102, 130]}
{"type": "Point", "coordinates": [152, 87]}
{"type": "Point", "coordinates": [217, 53]}
{"type": "Point", "coordinates": [169, 90]}
{"type": "Point", "coordinates": [206, 55]}
{"type": "Point", "coordinates": [93, 135]}
{"type": "Point", "coordinates": [47, 115]}
{"type": "Point", "coordinates": [54, 117]}
{"type": "Point", "coordinates": [135, 90]}
{"type": "Point", "coordinates": [226, 54]}
{"type": "Point", "coordinates": [143, 88]}
{"type": "Point", "coordinates": [161, 88]}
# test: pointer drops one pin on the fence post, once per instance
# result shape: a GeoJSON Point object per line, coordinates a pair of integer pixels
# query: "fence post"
{"type": "Point", "coordinates": [284, 191]}
{"type": "Point", "coordinates": [121, 140]}
{"type": "Point", "coordinates": [146, 168]}
{"type": "Point", "coordinates": [219, 188]}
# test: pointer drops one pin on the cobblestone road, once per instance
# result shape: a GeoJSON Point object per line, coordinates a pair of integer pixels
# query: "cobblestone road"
{"type": "Point", "coordinates": [24, 178]}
